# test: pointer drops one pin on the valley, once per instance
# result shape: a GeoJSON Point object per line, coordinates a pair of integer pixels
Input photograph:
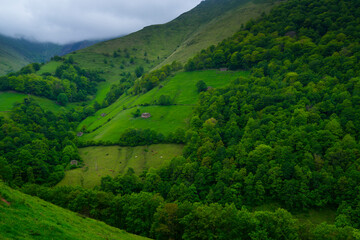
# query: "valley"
{"type": "Point", "coordinates": [250, 128]}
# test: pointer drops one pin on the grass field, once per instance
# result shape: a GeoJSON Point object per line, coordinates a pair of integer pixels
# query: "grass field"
{"type": "Point", "coordinates": [306, 217]}
{"type": "Point", "coordinates": [29, 217]}
{"type": "Point", "coordinates": [165, 119]}
{"type": "Point", "coordinates": [101, 161]}
{"type": "Point", "coordinates": [49, 67]}
{"type": "Point", "coordinates": [9, 99]}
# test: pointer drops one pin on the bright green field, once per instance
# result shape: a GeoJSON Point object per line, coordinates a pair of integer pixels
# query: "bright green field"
{"type": "Point", "coordinates": [50, 67]}
{"type": "Point", "coordinates": [101, 161]}
{"type": "Point", "coordinates": [8, 99]}
{"type": "Point", "coordinates": [32, 218]}
{"type": "Point", "coordinates": [165, 119]}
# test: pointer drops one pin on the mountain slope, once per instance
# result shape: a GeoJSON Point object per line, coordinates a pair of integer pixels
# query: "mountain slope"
{"type": "Point", "coordinates": [208, 23]}
{"type": "Point", "coordinates": [26, 217]}
{"type": "Point", "coordinates": [16, 53]}
{"type": "Point", "coordinates": [217, 29]}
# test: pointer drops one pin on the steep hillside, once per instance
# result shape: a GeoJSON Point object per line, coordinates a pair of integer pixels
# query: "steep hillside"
{"type": "Point", "coordinates": [208, 23]}
{"type": "Point", "coordinates": [152, 47]}
{"type": "Point", "coordinates": [26, 217]}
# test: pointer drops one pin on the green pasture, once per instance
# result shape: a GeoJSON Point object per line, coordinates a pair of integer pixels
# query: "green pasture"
{"type": "Point", "coordinates": [8, 99]}
{"type": "Point", "coordinates": [100, 161]}
{"type": "Point", "coordinates": [165, 119]}
{"type": "Point", "coordinates": [49, 67]}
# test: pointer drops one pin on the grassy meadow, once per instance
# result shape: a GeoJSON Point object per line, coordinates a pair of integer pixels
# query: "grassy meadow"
{"type": "Point", "coordinates": [165, 119]}
{"type": "Point", "coordinates": [50, 67]}
{"type": "Point", "coordinates": [9, 99]}
{"type": "Point", "coordinates": [100, 161]}
{"type": "Point", "coordinates": [27, 217]}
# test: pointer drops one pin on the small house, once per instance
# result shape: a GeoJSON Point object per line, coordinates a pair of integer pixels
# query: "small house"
{"type": "Point", "coordinates": [223, 69]}
{"type": "Point", "coordinates": [291, 34]}
{"type": "Point", "coordinates": [103, 114]}
{"type": "Point", "coordinates": [145, 115]}
{"type": "Point", "coordinates": [74, 162]}
{"type": "Point", "coordinates": [79, 134]}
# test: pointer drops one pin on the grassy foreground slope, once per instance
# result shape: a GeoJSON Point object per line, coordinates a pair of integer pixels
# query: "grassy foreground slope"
{"type": "Point", "coordinates": [165, 119]}
{"type": "Point", "coordinates": [26, 217]}
{"type": "Point", "coordinates": [113, 160]}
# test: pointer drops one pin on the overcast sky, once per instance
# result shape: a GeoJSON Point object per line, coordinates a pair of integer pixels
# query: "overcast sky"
{"type": "Point", "coordinates": [63, 21]}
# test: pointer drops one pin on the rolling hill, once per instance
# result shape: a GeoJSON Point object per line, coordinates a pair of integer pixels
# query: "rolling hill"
{"type": "Point", "coordinates": [26, 217]}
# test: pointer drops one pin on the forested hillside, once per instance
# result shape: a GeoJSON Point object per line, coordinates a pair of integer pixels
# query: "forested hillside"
{"type": "Point", "coordinates": [258, 152]}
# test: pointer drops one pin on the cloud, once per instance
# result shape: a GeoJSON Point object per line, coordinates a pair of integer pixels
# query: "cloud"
{"type": "Point", "coordinates": [63, 21]}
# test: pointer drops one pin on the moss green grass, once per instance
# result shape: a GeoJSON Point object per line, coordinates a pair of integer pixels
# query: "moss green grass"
{"type": "Point", "coordinates": [165, 119]}
{"type": "Point", "coordinates": [100, 161]}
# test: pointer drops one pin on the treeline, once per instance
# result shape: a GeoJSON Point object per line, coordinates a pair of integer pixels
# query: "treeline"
{"type": "Point", "coordinates": [150, 80]}
{"type": "Point", "coordinates": [69, 83]}
{"type": "Point", "coordinates": [147, 214]}
{"type": "Point", "coordinates": [35, 145]}
{"type": "Point", "coordinates": [140, 137]}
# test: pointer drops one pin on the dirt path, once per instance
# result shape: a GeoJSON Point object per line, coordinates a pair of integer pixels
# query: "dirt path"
{"type": "Point", "coordinates": [6, 202]}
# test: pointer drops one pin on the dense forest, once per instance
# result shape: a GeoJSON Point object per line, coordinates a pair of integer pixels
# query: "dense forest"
{"type": "Point", "coordinates": [289, 134]}
{"type": "Point", "coordinates": [35, 145]}
{"type": "Point", "coordinates": [70, 83]}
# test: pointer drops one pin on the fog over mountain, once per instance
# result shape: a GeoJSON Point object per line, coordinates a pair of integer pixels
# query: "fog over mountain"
{"type": "Point", "coordinates": [64, 21]}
